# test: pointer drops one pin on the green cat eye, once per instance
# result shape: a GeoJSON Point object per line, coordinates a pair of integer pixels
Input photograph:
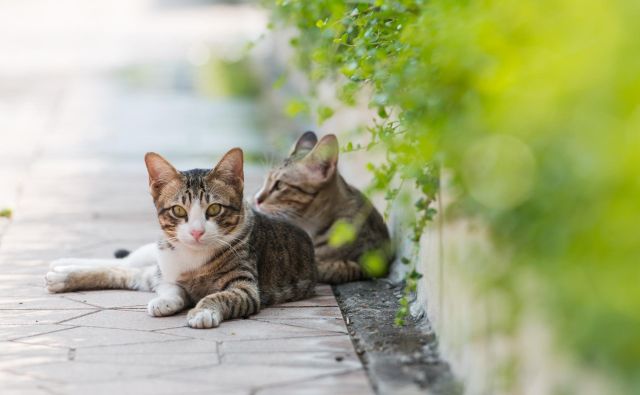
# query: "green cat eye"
{"type": "Point", "coordinates": [179, 211]}
{"type": "Point", "coordinates": [213, 210]}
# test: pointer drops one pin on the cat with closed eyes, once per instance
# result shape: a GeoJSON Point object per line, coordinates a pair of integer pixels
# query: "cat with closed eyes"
{"type": "Point", "coordinates": [308, 191]}
{"type": "Point", "coordinates": [216, 253]}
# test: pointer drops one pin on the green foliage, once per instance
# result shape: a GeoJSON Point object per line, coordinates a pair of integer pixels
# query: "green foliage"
{"type": "Point", "coordinates": [342, 233]}
{"type": "Point", "coordinates": [533, 108]}
{"type": "Point", "coordinates": [6, 213]}
{"type": "Point", "coordinates": [296, 107]}
{"type": "Point", "coordinates": [231, 78]}
{"type": "Point", "coordinates": [374, 264]}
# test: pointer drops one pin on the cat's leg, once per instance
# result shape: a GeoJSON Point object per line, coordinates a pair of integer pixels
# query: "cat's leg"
{"type": "Point", "coordinates": [240, 299]}
{"type": "Point", "coordinates": [147, 255]}
{"type": "Point", "coordinates": [339, 271]}
{"type": "Point", "coordinates": [82, 277]}
{"type": "Point", "coordinates": [171, 299]}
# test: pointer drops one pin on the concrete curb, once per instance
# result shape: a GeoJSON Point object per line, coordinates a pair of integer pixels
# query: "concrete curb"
{"type": "Point", "coordinates": [399, 360]}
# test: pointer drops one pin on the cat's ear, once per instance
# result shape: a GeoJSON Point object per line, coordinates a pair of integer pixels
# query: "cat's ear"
{"type": "Point", "coordinates": [161, 172]}
{"type": "Point", "coordinates": [305, 143]}
{"type": "Point", "coordinates": [322, 161]}
{"type": "Point", "coordinates": [230, 168]}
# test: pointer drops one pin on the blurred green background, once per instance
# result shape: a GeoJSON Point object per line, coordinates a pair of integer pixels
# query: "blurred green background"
{"type": "Point", "coordinates": [534, 107]}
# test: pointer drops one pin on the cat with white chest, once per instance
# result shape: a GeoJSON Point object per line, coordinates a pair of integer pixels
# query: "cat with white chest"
{"type": "Point", "coordinates": [216, 254]}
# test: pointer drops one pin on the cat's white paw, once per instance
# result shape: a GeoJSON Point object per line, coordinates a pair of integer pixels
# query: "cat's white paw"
{"type": "Point", "coordinates": [161, 307]}
{"type": "Point", "coordinates": [203, 318]}
{"type": "Point", "coordinates": [56, 278]}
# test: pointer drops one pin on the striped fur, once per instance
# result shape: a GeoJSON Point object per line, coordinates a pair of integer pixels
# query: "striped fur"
{"type": "Point", "coordinates": [227, 265]}
{"type": "Point", "coordinates": [308, 191]}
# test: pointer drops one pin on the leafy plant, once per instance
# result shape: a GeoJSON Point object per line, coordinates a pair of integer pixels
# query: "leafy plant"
{"type": "Point", "coordinates": [536, 120]}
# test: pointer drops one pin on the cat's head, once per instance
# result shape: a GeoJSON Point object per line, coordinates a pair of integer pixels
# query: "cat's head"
{"type": "Point", "coordinates": [294, 189]}
{"type": "Point", "coordinates": [198, 208]}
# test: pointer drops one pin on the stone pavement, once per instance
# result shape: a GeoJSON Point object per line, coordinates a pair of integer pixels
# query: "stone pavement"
{"type": "Point", "coordinates": [72, 138]}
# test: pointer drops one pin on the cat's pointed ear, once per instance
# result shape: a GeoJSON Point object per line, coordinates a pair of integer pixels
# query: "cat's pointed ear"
{"type": "Point", "coordinates": [322, 161]}
{"type": "Point", "coordinates": [305, 143]}
{"type": "Point", "coordinates": [161, 172]}
{"type": "Point", "coordinates": [230, 168]}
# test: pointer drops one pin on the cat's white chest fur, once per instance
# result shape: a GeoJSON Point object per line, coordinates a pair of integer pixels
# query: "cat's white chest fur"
{"type": "Point", "coordinates": [173, 263]}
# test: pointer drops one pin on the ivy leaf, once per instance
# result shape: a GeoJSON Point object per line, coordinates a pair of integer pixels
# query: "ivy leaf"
{"type": "Point", "coordinates": [324, 113]}
{"type": "Point", "coordinates": [295, 107]}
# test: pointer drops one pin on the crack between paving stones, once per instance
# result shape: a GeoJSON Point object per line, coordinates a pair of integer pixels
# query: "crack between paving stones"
{"type": "Point", "coordinates": [280, 338]}
{"type": "Point", "coordinates": [128, 344]}
{"type": "Point", "coordinates": [38, 334]}
{"type": "Point", "coordinates": [300, 326]}
{"type": "Point", "coordinates": [123, 329]}
{"type": "Point", "coordinates": [78, 316]}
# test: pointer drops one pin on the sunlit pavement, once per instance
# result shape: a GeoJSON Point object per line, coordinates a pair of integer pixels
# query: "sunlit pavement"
{"type": "Point", "coordinates": [74, 126]}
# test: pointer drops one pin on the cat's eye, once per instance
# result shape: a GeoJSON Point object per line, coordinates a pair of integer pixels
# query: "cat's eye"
{"type": "Point", "coordinates": [213, 210]}
{"type": "Point", "coordinates": [278, 186]}
{"type": "Point", "coordinates": [179, 211]}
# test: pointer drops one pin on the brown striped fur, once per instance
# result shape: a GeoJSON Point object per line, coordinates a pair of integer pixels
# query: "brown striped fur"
{"type": "Point", "coordinates": [240, 261]}
{"type": "Point", "coordinates": [307, 190]}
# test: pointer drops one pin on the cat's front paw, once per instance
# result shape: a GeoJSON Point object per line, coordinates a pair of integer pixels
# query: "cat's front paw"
{"type": "Point", "coordinates": [162, 307]}
{"type": "Point", "coordinates": [203, 318]}
{"type": "Point", "coordinates": [57, 279]}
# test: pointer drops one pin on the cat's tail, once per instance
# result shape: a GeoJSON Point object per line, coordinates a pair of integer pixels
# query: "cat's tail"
{"type": "Point", "coordinates": [339, 271]}
{"type": "Point", "coordinates": [121, 253]}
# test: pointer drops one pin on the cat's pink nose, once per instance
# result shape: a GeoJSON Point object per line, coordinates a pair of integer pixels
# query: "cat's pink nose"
{"type": "Point", "coordinates": [197, 234]}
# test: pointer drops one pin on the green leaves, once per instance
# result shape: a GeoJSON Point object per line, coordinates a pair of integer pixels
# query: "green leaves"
{"type": "Point", "coordinates": [374, 264]}
{"type": "Point", "coordinates": [6, 213]}
{"type": "Point", "coordinates": [324, 113]}
{"type": "Point", "coordinates": [342, 233]}
{"type": "Point", "coordinates": [296, 107]}
{"type": "Point", "coordinates": [445, 81]}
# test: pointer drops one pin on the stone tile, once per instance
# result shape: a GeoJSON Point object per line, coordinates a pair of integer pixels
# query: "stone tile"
{"type": "Point", "coordinates": [299, 312]}
{"type": "Point", "coordinates": [321, 324]}
{"type": "Point", "coordinates": [318, 301]}
{"type": "Point", "coordinates": [45, 302]}
{"type": "Point", "coordinates": [12, 332]}
{"type": "Point", "coordinates": [25, 266]}
{"type": "Point", "coordinates": [23, 290]}
{"type": "Point", "coordinates": [18, 384]}
{"type": "Point", "coordinates": [91, 372]}
{"type": "Point", "coordinates": [88, 337]}
{"type": "Point", "coordinates": [249, 377]}
{"type": "Point", "coordinates": [16, 354]}
{"type": "Point", "coordinates": [176, 359]}
{"type": "Point", "coordinates": [13, 282]}
{"type": "Point", "coordinates": [243, 330]}
{"type": "Point", "coordinates": [126, 319]}
{"type": "Point", "coordinates": [349, 383]}
{"type": "Point", "coordinates": [145, 385]}
{"type": "Point", "coordinates": [188, 346]}
{"type": "Point", "coordinates": [328, 343]}
{"type": "Point", "coordinates": [112, 298]}
{"type": "Point", "coordinates": [324, 290]}
{"type": "Point", "coordinates": [323, 359]}
{"type": "Point", "coordinates": [39, 317]}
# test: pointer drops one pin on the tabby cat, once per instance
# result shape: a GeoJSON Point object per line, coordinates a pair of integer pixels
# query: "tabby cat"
{"type": "Point", "coordinates": [215, 252]}
{"type": "Point", "coordinates": [307, 190]}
